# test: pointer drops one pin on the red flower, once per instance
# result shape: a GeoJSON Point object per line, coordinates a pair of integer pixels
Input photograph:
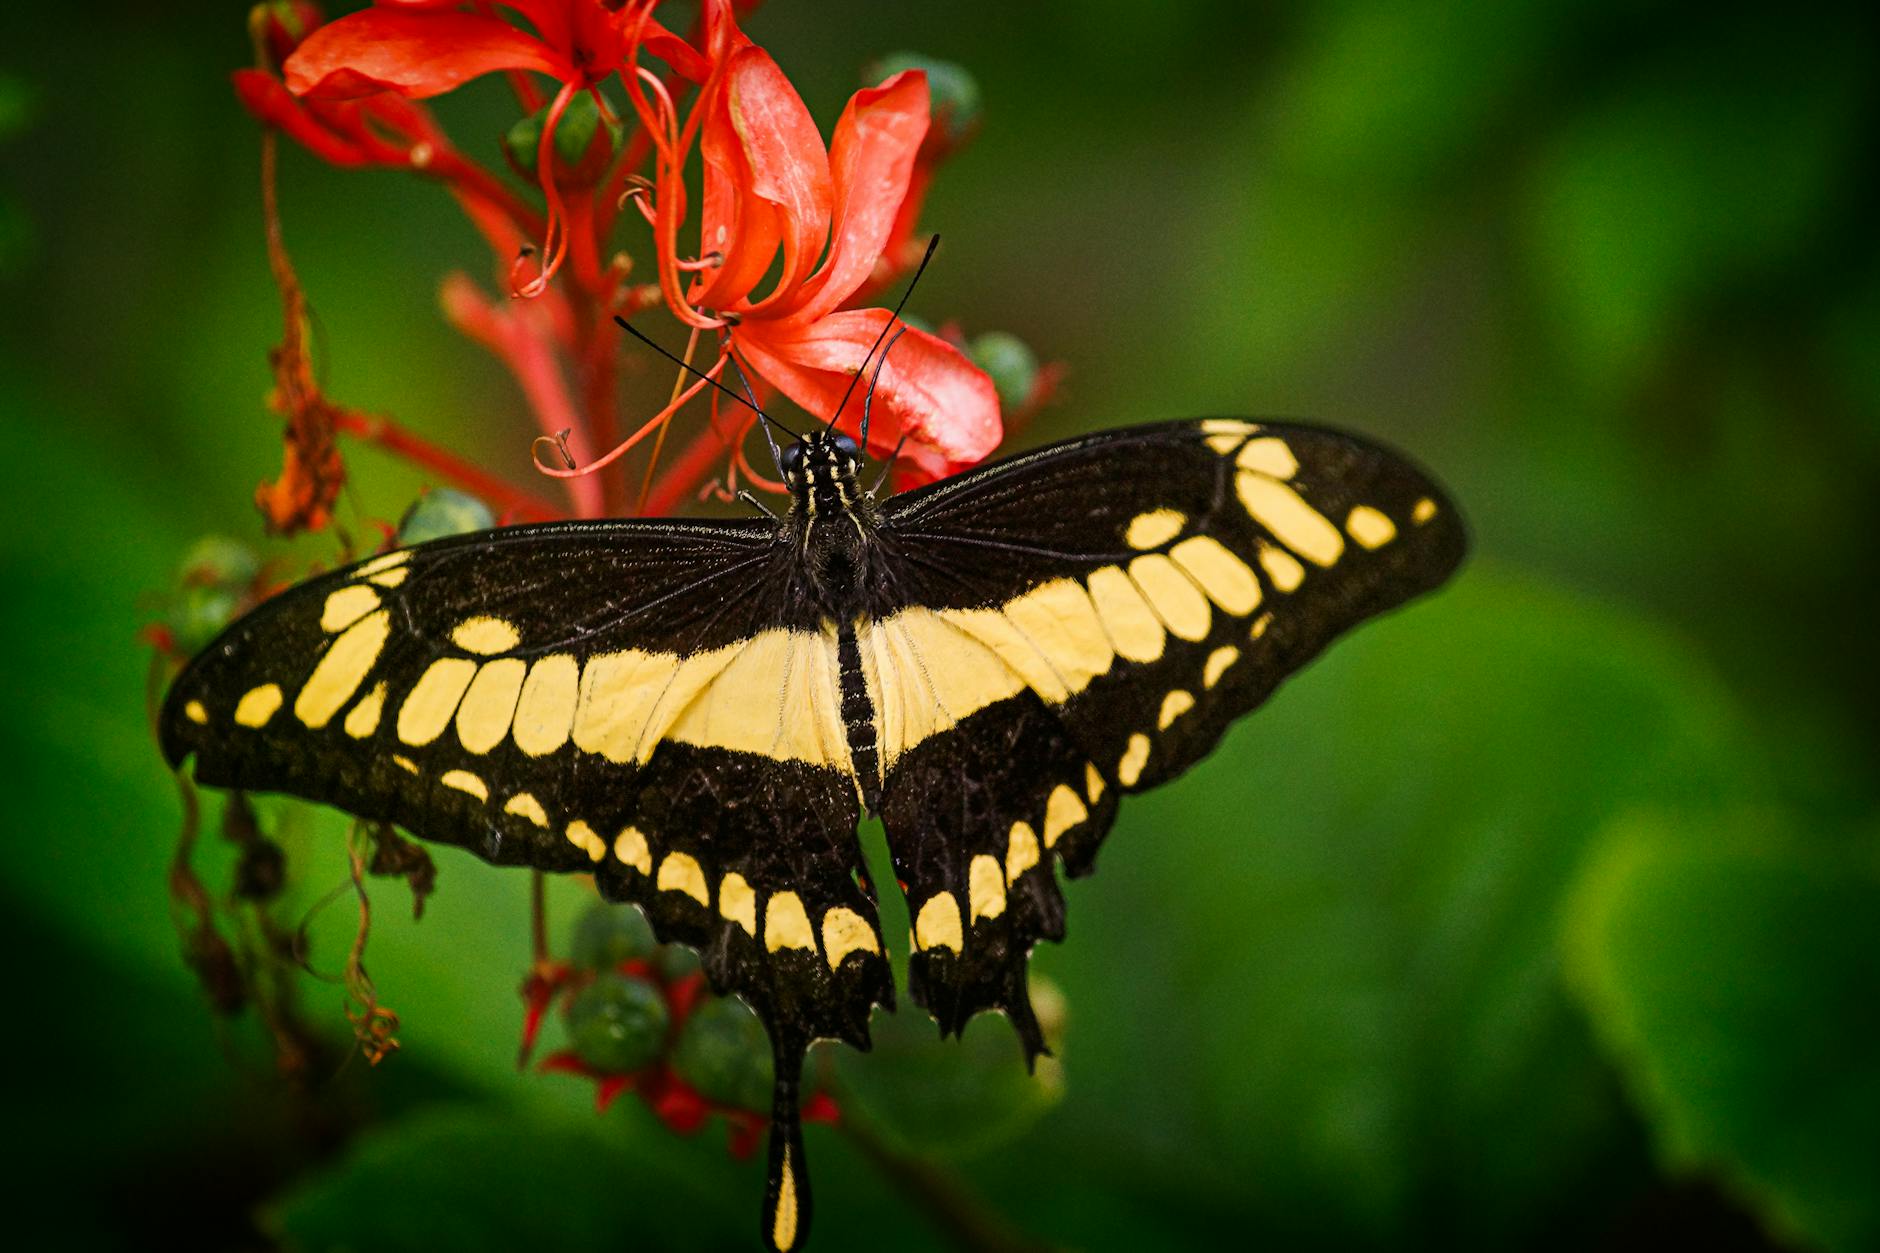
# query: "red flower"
{"type": "Point", "coordinates": [422, 48]}
{"type": "Point", "coordinates": [771, 186]}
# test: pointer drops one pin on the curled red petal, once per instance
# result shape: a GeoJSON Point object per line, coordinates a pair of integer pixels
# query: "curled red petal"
{"type": "Point", "coordinates": [945, 405]}
{"type": "Point", "coordinates": [872, 158]}
{"type": "Point", "coordinates": [414, 52]}
{"type": "Point", "coordinates": [784, 157]}
{"type": "Point", "coordinates": [269, 100]}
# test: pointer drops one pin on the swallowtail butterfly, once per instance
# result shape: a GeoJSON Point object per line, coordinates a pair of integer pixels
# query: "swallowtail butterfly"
{"type": "Point", "coordinates": [699, 713]}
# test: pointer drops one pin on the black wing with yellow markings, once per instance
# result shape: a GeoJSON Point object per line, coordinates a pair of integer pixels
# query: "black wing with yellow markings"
{"type": "Point", "coordinates": [697, 714]}
{"type": "Point", "coordinates": [1087, 620]}
{"type": "Point", "coordinates": [651, 703]}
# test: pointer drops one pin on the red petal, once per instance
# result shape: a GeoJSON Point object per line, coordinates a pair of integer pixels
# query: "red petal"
{"type": "Point", "coordinates": [787, 165]}
{"type": "Point", "coordinates": [264, 96]}
{"type": "Point", "coordinates": [742, 228]}
{"type": "Point", "coordinates": [873, 158]}
{"type": "Point", "coordinates": [944, 404]}
{"type": "Point", "coordinates": [417, 53]}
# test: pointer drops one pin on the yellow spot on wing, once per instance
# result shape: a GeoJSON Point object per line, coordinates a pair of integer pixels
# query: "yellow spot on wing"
{"type": "Point", "coordinates": [1174, 705]}
{"type": "Point", "coordinates": [385, 561]}
{"type": "Point", "coordinates": [1172, 594]}
{"type": "Point", "coordinates": [545, 709]}
{"type": "Point", "coordinates": [523, 805]}
{"type": "Point", "coordinates": [738, 903]}
{"type": "Point", "coordinates": [1423, 511]}
{"type": "Point", "coordinates": [1282, 567]}
{"type": "Point", "coordinates": [1292, 521]}
{"type": "Point", "coordinates": [1060, 622]}
{"type": "Point", "coordinates": [1063, 809]}
{"type": "Point", "coordinates": [786, 924]}
{"type": "Point", "coordinates": [363, 719]}
{"type": "Point", "coordinates": [464, 781]}
{"type": "Point", "coordinates": [347, 606]}
{"type": "Point", "coordinates": [483, 717]}
{"type": "Point", "coordinates": [342, 669]}
{"type": "Point", "coordinates": [1218, 662]}
{"type": "Point", "coordinates": [985, 888]}
{"type": "Point", "coordinates": [680, 872]}
{"type": "Point", "coordinates": [1224, 435]}
{"type": "Point", "coordinates": [195, 712]}
{"type": "Point", "coordinates": [1093, 782]}
{"type": "Point", "coordinates": [404, 763]}
{"type": "Point", "coordinates": [484, 635]}
{"type": "Point", "coordinates": [258, 704]}
{"type": "Point", "coordinates": [1155, 528]}
{"type": "Point", "coordinates": [391, 578]}
{"type": "Point", "coordinates": [587, 839]}
{"type": "Point", "coordinates": [1134, 630]}
{"type": "Point", "coordinates": [1269, 456]}
{"type": "Point", "coordinates": [1260, 624]}
{"type": "Point", "coordinates": [1021, 851]}
{"type": "Point", "coordinates": [1135, 757]}
{"type": "Point", "coordinates": [630, 849]}
{"type": "Point", "coordinates": [843, 932]}
{"type": "Point", "coordinates": [1369, 527]}
{"type": "Point", "coordinates": [776, 694]}
{"type": "Point", "coordinates": [433, 699]}
{"type": "Point", "coordinates": [1228, 581]}
{"type": "Point", "coordinates": [938, 924]}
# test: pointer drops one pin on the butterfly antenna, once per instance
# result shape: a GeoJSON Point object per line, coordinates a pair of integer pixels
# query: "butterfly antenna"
{"type": "Point", "coordinates": [776, 454]}
{"type": "Point", "coordinates": [892, 318]}
{"type": "Point", "coordinates": [689, 368]}
{"type": "Point", "coordinates": [868, 401]}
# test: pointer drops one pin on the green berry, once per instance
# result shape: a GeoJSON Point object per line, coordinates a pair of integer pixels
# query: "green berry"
{"type": "Point", "coordinates": [1010, 362]}
{"type": "Point", "coordinates": [953, 93]}
{"type": "Point", "coordinates": [574, 136]}
{"type": "Point", "coordinates": [724, 1052]}
{"type": "Point", "coordinates": [607, 935]}
{"type": "Point", "coordinates": [213, 584]}
{"type": "Point", "coordinates": [617, 1024]}
{"type": "Point", "coordinates": [440, 512]}
{"type": "Point", "coordinates": [676, 961]}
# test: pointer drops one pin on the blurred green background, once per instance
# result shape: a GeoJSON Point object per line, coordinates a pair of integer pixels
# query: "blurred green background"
{"type": "Point", "coordinates": [1545, 914]}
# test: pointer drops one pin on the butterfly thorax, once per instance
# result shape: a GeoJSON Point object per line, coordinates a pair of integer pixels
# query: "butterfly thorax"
{"type": "Point", "coordinates": [831, 522]}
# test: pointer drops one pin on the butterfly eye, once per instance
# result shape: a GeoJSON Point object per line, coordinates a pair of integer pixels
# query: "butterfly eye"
{"type": "Point", "coordinates": [847, 447]}
{"type": "Point", "coordinates": [793, 460]}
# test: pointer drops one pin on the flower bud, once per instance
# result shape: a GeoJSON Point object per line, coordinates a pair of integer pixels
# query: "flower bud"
{"type": "Point", "coordinates": [607, 935]}
{"type": "Point", "coordinates": [953, 93]}
{"type": "Point", "coordinates": [277, 27]}
{"type": "Point", "coordinates": [1010, 363]}
{"type": "Point", "coordinates": [584, 141]}
{"type": "Point", "coordinates": [440, 512]}
{"type": "Point", "coordinates": [617, 1024]}
{"type": "Point", "coordinates": [214, 585]}
{"type": "Point", "coordinates": [725, 1055]}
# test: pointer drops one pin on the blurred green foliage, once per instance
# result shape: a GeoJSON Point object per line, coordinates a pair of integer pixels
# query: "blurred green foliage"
{"type": "Point", "coordinates": [1541, 915]}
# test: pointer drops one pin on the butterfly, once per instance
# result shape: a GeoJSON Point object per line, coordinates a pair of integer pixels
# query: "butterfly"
{"type": "Point", "coordinates": [699, 713]}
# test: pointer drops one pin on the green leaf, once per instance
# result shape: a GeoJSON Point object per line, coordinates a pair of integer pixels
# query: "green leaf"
{"type": "Point", "coordinates": [1333, 945]}
{"type": "Point", "coordinates": [470, 1179]}
{"type": "Point", "coordinates": [1682, 185]}
{"type": "Point", "coordinates": [953, 1098]}
{"type": "Point", "coordinates": [1736, 983]}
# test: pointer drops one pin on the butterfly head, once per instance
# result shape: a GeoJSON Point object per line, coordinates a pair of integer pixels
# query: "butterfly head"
{"type": "Point", "coordinates": [820, 472]}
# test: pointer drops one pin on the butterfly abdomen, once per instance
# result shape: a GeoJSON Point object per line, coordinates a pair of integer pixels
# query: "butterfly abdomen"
{"type": "Point", "coordinates": [858, 718]}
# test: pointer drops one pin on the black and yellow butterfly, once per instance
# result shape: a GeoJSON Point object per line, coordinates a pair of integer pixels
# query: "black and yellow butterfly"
{"type": "Point", "coordinates": [699, 713]}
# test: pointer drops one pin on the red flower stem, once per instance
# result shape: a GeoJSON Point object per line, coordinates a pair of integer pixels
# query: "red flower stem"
{"type": "Point", "coordinates": [471, 179]}
{"type": "Point", "coordinates": [512, 501]}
